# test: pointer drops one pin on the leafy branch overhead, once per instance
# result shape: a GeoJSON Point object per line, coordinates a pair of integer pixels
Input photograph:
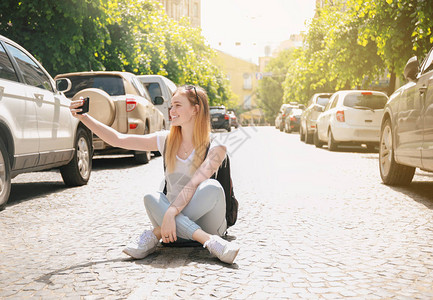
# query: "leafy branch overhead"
{"type": "Point", "coordinates": [128, 35]}
{"type": "Point", "coordinates": [351, 44]}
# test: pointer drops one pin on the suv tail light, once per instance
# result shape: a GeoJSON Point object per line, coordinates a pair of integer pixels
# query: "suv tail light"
{"type": "Point", "coordinates": [340, 116]}
{"type": "Point", "coordinates": [292, 119]}
{"type": "Point", "coordinates": [226, 117]}
{"type": "Point", "coordinates": [284, 115]}
{"type": "Point", "coordinates": [131, 104]}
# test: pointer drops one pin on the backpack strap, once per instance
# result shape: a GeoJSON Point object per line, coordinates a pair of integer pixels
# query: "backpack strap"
{"type": "Point", "coordinates": [164, 191]}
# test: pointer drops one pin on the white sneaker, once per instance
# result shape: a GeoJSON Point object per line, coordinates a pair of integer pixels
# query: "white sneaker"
{"type": "Point", "coordinates": [144, 245]}
{"type": "Point", "coordinates": [224, 250]}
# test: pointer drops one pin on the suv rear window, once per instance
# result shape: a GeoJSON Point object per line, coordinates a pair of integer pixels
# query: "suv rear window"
{"type": "Point", "coordinates": [113, 85]}
{"type": "Point", "coordinates": [323, 100]}
{"type": "Point", "coordinates": [296, 112]}
{"type": "Point", "coordinates": [217, 110]}
{"type": "Point", "coordinates": [370, 101]}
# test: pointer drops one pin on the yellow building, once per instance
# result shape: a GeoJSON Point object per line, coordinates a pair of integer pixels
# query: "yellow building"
{"type": "Point", "coordinates": [243, 81]}
{"type": "Point", "coordinates": [176, 9]}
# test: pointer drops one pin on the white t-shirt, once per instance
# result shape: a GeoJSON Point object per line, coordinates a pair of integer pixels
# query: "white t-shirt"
{"type": "Point", "coordinates": [182, 171]}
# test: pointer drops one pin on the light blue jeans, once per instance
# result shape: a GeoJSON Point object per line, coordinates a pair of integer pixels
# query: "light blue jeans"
{"type": "Point", "coordinates": [206, 210]}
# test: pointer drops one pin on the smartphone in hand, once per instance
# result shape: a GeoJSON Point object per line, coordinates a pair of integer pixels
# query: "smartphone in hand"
{"type": "Point", "coordinates": [85, 107]}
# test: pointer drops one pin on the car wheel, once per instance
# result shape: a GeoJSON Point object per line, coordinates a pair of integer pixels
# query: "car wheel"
{"type": "Point", "coordinates": [143, 157]}
{"type": "Point", "coordinates": [77, 171]}
{"type": "Point", "coordinates": [392, 173]}
{"type": "Point", "coordinates": [229, 129]}
{"type": "Point", "coordinates": [317, 142]}
{"type": "Point", "coordinates": [332, 144]}
{"type": "Point", "coordinates": [5, 176]}
{"type": "Point", "coordinates": [301, 134]}
{"type": "Point", "coordinates": [281, 126]}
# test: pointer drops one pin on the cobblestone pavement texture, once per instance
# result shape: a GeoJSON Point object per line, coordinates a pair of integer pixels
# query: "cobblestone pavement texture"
{"type": "Point", "coordinates": [313, 224]}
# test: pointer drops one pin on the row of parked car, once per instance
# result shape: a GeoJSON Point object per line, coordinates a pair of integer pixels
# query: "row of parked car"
{"type": "Point", "coordinates": [289, 116]}
{"type": "Point", "coordinates": [401, 125]}
{"type": "Point", "coordinates": [38, 132]}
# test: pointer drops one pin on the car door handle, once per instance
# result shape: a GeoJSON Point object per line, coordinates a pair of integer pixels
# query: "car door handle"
{"type": "Point", "coordinates": [422, 89]}
{"type": "Point", "coordinates": [39, 97]}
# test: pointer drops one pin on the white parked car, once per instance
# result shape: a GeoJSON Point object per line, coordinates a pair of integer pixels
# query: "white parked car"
{"type": "Point", "coordinates": [351, 118]}
{"type": "Point", "coordinates": [160, 86]}
{"type": "Point", "coordinates": [37, 130]}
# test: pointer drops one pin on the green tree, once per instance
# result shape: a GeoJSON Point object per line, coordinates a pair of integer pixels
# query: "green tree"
{"type": "Point", "coordinates": [128, 35]}
{"type": "Point", "coordinates": [145, 41]}
{"type": "Point", "coordinates": [270, 91]}
{"type": "Point", "coordinates": [400, 29]}
{"type": "Point", "coordinates": [63, 35]}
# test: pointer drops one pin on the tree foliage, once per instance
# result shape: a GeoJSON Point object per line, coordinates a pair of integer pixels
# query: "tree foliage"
{"type": "Point", "coordinates": [128, 35]}
{"type": "Point", "coordinates": [351, 43]}
{"type": "Point", "coordinates": [270, 91]}
{"type": "Point", "coordinates": [63, 35]}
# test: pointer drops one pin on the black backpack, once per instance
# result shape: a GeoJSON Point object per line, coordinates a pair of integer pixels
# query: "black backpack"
{"type": "Point", "coordinates": [223, 177]}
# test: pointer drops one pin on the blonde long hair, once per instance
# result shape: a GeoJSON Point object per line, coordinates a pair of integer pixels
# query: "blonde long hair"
{"type": "Point", "coordinates": [201, 130]}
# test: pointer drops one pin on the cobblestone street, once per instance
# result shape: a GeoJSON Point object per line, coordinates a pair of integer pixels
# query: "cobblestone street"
{"type": "Point", "coordinates": [313, 224]}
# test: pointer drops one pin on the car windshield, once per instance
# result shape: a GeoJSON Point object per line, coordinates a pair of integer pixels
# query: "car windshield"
{"type": "Point", "coordinates": [365, 100]}
{"type": "Point", "coordinates": [217, 110]}
{"type": "Point", "coordinates": [296, 112]}
{"type": "Point", "coordinates": [111, 84]}
{"type": "Point", "coordinates": [323, 100]}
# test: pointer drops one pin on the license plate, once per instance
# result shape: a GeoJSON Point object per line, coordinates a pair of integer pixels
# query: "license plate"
{"type": "Point", "coordinates": [215, 119]}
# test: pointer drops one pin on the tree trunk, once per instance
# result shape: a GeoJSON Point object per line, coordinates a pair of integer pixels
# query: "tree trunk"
{"type": "Point", "coordinates": [391, 86]}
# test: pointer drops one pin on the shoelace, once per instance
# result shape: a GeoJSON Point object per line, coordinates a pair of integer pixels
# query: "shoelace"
{"type": "Point", "coordinates": [214, 246]}
{"type": "Point", "coordinates": [144, 238]}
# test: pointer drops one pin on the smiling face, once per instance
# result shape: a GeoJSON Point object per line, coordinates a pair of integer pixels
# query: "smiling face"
{"type": "Point", "coordinates": [182, 111]}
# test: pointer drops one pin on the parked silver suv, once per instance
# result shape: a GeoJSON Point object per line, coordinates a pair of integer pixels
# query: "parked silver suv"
{"type": "Point", "coordinates": [37, 130]}
{"type": "Point", "coordinates": [406, 137]}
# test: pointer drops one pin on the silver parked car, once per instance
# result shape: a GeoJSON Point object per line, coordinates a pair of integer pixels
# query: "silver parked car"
{"type": "Point", "coordinates": [37, 130]}
{"type": "Point", "coordinates": [406, 138]}
{"type": "Point", "coordinates": [309, 117]}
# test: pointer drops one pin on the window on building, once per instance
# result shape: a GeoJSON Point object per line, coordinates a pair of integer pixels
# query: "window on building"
{"type": "Point", "coordinates": [248, 81]}
{"type": "Point", "coordinates": [247, 102]}
{"type": "Point", "coordinates": [195, 10]}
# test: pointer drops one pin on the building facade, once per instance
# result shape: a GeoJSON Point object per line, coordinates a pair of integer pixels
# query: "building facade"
{"type": "Point", "coordinates": [242, 77]}
{"type": "Point", "coordinates": [176, 9]}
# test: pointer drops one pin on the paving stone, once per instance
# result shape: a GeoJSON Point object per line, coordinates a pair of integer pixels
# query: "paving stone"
{"type": "Point", "coordinates": [327, 231]}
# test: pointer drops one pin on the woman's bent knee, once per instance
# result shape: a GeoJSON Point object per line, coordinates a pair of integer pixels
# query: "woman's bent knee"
{"type": "Point", "coordinates": [213, 187]}
{"type": "Point", "coordinates": [150, 200]}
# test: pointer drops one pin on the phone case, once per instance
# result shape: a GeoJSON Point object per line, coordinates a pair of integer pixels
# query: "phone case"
{"type": "Point", "coordinates": [85, 107]}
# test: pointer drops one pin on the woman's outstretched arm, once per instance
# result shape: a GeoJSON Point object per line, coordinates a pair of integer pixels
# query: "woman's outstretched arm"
{"type": "Point", "coordinates": [114, 138]}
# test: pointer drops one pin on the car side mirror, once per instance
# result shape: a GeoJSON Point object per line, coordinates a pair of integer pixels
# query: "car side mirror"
{"type": "Point", "coordinates": [411, 69]}
{"type": "Point", "coordinates": [158, 100]}
{"type": "Point", "coordinates": [63, 84]}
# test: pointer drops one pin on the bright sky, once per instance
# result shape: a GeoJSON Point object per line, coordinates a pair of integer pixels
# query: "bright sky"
{"type": "Point", "coordinates": [253, 23]}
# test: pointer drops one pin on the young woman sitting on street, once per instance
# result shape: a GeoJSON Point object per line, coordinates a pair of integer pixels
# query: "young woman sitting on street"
{"type": "Point", "coordinates": [194, 205]}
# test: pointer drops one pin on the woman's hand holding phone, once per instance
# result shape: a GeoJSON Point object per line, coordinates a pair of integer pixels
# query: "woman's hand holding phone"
{"type": "Point", "coordinates": [79, 107]}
